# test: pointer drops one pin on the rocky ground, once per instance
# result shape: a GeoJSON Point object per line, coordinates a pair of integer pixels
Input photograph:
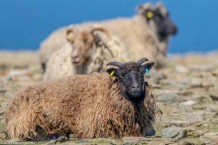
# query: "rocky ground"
{"type": "Point", "coordinates": [186, 93]}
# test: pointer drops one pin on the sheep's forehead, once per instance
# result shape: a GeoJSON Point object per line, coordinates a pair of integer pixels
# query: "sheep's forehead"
{"type": "Point", "coordinates": [158, 7]}
{"type": "Point", "coordinates": [81, 35]}
{"type": "Point", "coordinates": [161, 8]}
{"type": "Point", "coordinates": [131, 66]}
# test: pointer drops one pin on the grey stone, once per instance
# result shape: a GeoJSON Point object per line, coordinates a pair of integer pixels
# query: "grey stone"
{"type": "Point", "coordinates": [174, 133]}
{"type": "Point", "coordinates": [210, 138]}
{"type": "Point", "coordinates": [214, 94]}
{"type": "Point", "coordinates": [170, 98]}
{"type": "Point", "coordinates": [181, 69]}
{"type": "Point", "coordinates": [183, 120]}
{"type": "Point", "coordinates": [195, 117]}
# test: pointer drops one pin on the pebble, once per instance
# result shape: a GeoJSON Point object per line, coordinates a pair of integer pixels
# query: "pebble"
{"type": "Point", "coordinates": [210, 138]}
{"type": "Point", "coordinates": [172, 98]}
{"type": "Point", "coordinates": [174, 133]}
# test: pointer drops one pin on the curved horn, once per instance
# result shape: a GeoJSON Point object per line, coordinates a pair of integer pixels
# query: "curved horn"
{"type": "Point", "coordinates": [100, 28]}
{"type": "Point", "coordinates": [114, 63]}
{"type": "Point", "coordinates": [142, 60]}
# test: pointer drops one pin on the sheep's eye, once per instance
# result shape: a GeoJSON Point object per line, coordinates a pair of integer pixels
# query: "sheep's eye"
{"type": "Point", "coordinates": [123, 75]}
{"type": "Point", "coordinates": [159, 15]}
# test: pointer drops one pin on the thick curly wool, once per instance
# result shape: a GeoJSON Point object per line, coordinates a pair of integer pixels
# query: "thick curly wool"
{"type": "Point", "coordinates": [51, 44]}
{"type": "Point", "coordinates": [90, 106]}
{"type": "Point", "coordinates": [60, 64]}
{"type": "Point", "coordinates": [137, 36]}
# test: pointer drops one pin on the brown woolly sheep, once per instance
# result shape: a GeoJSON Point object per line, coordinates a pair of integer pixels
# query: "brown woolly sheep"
{"type": "Point", "coordinates": [90, 106]}
{"type": "Point", "coordinates": [88, 50]}
{"type": "Point", "coordinates": [145, 34]}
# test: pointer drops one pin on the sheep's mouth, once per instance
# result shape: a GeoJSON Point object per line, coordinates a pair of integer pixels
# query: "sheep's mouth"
{"type": "Point", "coordinates": [76, 61]}
{"type": "Point", "coordinates": [135, 94]}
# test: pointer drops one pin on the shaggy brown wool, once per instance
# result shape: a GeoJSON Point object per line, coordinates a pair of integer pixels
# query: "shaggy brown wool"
{"type": "Point", "coordinates": [90, 106]}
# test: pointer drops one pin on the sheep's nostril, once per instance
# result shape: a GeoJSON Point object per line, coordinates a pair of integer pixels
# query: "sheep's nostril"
{"type": "Point", "coordinates": [74, 56]}
{"type": "Point", "coordinates": [136, 86]}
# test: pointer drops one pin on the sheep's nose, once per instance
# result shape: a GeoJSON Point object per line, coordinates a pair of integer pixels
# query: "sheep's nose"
{"type": "Point", "coordinates": [135, 86]}
{"type": "Point", "coordinates": [74, 56]}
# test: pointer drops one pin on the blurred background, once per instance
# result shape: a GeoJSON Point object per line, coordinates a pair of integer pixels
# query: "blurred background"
{"type": "Point", "coordinates": [25, 23]}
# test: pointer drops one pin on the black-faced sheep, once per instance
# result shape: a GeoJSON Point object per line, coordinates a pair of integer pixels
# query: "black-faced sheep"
{"type": "Point", "coordinates": [145, 34]}
{"type": "Point", "coordinates": [90, 106]}
{"type": "Point", "coordinates": [88, 50]}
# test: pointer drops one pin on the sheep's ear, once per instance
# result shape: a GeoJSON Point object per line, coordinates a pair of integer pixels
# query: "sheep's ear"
{"type": "Point", "coordinates": [69, 35]}
{"type": "Point", "coordinates": [148, 66]}
{"type": "Point", "coordinates": [143, 7]}
{"type": "Point", "coordinates": [112, 72]}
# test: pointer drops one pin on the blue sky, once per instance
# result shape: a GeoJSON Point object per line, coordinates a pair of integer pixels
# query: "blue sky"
{"type": "Point", "coordinates": [25, 23]}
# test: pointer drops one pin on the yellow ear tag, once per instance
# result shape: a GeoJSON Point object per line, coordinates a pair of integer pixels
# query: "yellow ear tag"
{"type": "Point", "coordinates": [70, 37]}
{"type": "Point", "coordinates": [112, 73]}
{"type": "Point", "coordinates": [149, 15]}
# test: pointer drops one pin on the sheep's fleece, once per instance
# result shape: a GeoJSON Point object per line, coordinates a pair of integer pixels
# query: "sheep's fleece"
{"type": "Point", "coordinates": [90, 106]}
{"type": "Point", "coordinates": [138, 36]}
{"type": "Point", "coordinates": [60, 64]}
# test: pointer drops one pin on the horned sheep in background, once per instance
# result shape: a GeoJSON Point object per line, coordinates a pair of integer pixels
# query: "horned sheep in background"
{"type": "Point", "coordinates": [90, 106]}
{"type": "Point", "coordinates": [145, 34]}
{"type": "Point", "coordinates": [88, 50]}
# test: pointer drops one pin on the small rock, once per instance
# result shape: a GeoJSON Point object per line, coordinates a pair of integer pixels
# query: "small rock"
{"type": "Point", "coordinates": [185, 108]}
{"type": "Point", "coordinates": [174, 133]}
{"type": "Point", "coordinates": [181, 69]}
{"type": "Point", "coordinates": [214, 120]}
{"type": "Point", "coordinates": [2, 135]}
{"type": "Point", "coordinates": [215, 72]}
{"type": "Point", "coordinates": [2, 90]}
{"type": "Point", "coordinates": [185, 142]}
{"type": "Point", "coordinates": [198, 107]}
{"type": "Point", "coordinates": [54, 141]}
{"type": "Point", "coordinates": [188, 103]}
{"type": "Point", "coordinates": [214, 97]}
{"type": "Point", "coordinates": [159, 142]}
{"type": "Point", "coordinates": [210, 138]}
{"type": "Point", "coordinates": [132, 140]}
{"type": "Point", "coordinates": [195, 117]}
{"type": "Point", "coordinates": [170, 98]}
{"type": "Point", "coordinates": [184, 119]}
{"type": "Point", "coordinates": [214, 94]}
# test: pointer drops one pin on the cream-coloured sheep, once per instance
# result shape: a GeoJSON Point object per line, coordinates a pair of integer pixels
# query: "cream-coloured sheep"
{"type": "Point", "coordinates": [90, 106]}
{"type": "Point", "coordinates": [88, 50]}
{"type": "Point", "coordinates": [145, 34]}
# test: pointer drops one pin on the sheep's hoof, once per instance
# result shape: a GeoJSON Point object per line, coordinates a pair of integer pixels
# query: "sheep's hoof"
{"type": "Point", "coordinates": [150, 132]}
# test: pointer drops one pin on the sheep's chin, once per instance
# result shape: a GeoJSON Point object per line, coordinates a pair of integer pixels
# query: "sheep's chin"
{"type": "Point", "coordinates": [135, 97]}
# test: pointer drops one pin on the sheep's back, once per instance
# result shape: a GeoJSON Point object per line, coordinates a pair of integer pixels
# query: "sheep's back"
{"type": "Point", "coordinates": [60, 64]}
{"type": "Point", "coordinates": [51, 44]}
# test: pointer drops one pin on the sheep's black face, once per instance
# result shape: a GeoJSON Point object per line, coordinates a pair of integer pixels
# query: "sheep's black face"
{"type": "Point", "coordinates": [164, 25]}
{"type": "Point", "coordinates": [130, 76]}
{"type": "Point", "coordinates": [158, 19]}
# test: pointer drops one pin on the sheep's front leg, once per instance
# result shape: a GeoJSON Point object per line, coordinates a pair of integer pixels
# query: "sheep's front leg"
{"type": "Point", "coordinates": [150, 131]}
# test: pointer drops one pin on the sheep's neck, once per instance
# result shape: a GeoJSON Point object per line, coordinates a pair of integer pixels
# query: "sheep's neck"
{"type": "Point", "coordinates": [81, 69]}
